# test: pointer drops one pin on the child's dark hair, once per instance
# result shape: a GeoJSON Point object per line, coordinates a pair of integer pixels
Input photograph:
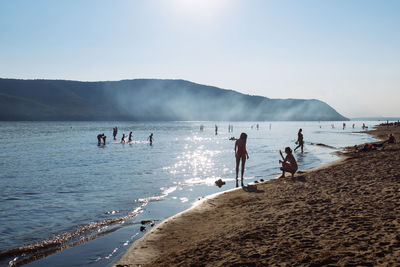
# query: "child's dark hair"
{"type": "Point", "coordinates": [243, 136]}
{"type": "Point", "coordinates": [288, 150]}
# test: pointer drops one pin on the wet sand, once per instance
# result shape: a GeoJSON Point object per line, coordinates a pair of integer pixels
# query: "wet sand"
{"type": "Point", "coordinates": [347, 213]}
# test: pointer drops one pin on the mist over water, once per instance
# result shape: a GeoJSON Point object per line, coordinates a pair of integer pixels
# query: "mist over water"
{"type": "Point", "coordinates": [61, 191]}
{"type": "Point", "coordinates": [184, 100]}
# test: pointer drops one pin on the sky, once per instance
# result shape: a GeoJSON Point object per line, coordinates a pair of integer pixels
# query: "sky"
{"type": "Point", "coordinates": [343, 52]}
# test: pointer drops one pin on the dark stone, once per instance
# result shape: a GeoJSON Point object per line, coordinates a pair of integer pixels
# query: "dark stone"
{"type": "Point", "coordinates": [219, 183]}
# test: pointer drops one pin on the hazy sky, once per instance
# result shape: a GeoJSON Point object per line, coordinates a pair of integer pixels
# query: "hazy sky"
{"type": "Point", "coordinates": [343, 52]}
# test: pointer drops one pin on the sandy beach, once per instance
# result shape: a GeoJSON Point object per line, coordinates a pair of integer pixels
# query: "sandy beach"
{"type": "Point", "coordinates": [347, 213]}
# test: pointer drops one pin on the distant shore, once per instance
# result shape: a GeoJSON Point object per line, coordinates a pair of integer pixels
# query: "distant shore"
{"type": "Point", "coordinates": [346, 213]}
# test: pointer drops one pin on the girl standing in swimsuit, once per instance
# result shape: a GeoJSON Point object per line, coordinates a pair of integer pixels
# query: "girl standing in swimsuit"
{"type": "Point", "coordinates": [241, 154]}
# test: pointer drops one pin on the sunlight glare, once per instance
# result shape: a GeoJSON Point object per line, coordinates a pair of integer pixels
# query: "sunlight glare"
{"type": "Point", "coordinates": [204, 9]}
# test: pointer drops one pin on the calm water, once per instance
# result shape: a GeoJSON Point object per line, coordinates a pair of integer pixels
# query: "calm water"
{"type": "Point", "coordinates": [60, 192]}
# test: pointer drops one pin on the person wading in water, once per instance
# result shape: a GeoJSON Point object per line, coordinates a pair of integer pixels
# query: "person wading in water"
{"type": "Point", "coordinates": [241, 155]}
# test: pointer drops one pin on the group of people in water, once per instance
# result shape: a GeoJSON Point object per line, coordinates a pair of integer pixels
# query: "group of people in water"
{"type": "Point", "coordinates": [102, 137]}
{"type": "Point", "coordinates": [123, 138]}
{"type": "Point", "coordinates": [344, 126]}
{"type": "Point", "coordinates": [288, 162]}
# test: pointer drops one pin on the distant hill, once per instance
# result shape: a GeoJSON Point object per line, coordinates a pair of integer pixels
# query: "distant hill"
{"type": "Point", "coordinates": [147, 99]}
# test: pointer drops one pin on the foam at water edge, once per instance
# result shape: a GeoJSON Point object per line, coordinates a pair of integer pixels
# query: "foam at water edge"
{"type": "Point", "coordinates": [66, 240]}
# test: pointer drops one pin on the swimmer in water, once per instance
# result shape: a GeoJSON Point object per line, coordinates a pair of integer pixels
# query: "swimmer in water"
{"type": "Point", "coordinates": [104, 139]}
{"type": "Point", "coordinates": [300, 140]}
{"type": "Point", "coordinates": [99, 137]}
{"type": "Point", "coordinates": [150, 138]}
{"type": "Point", "coordinates": [130, 137]}
{"type": "Point", "coordinates": [115, 131]}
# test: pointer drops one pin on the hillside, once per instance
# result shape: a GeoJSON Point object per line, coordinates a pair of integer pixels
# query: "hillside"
{"type": "Point", "coordinates": [147, 99]}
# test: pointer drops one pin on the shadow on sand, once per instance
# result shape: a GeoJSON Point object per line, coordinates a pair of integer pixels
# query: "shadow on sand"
{"type": "Point", "coordinates": [299, 179]}
{"type": "Point", "coordinates": [252, 189]}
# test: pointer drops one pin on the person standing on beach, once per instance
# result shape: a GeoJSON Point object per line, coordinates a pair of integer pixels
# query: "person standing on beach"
{"type": "Point", "coordinates": [241, 155]}
{"type": "Point", "coordinates": [299, 140]}
{"type": "Point", "coordinates": [130, 137]}
{"type": "Point", "coordinates": [289, 163]}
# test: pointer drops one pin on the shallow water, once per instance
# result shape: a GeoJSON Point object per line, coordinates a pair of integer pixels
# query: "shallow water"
{"type": "Point", "coordinates": [60, 191]}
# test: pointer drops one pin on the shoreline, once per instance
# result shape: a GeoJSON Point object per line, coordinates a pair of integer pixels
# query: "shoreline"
{"type": "Point", "coordinates": [333, 214]}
